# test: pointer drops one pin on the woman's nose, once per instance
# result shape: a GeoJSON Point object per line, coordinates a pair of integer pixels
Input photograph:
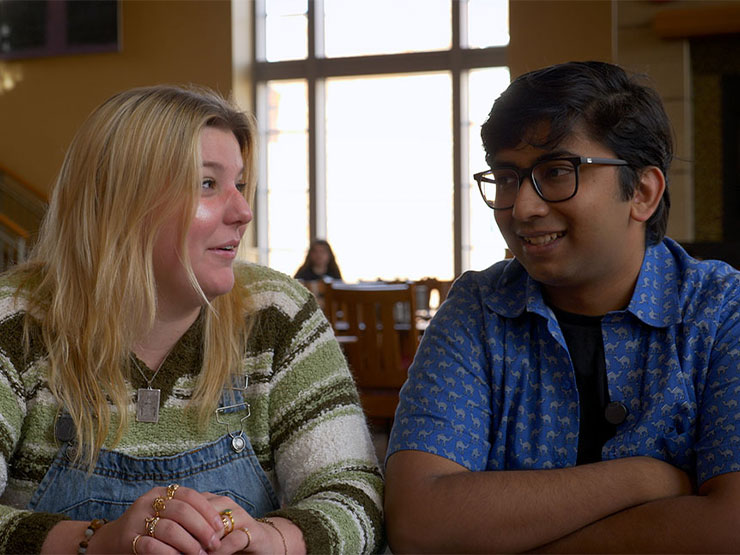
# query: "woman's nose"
{"type": "Point", "coordinates": [238, 210]}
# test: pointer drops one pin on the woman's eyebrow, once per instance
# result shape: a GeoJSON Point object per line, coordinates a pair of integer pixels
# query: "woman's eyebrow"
{"type": "Point", "coordinates": [220, 167]}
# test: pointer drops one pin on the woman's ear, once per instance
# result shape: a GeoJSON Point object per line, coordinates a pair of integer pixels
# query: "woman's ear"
{"type": "Point", "coordinates": [647, 195]}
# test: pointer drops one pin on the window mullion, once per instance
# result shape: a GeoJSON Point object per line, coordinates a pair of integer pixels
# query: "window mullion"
{"type": "Point", "coordinates": [259, 108]}
{"type": "Point", "coordinates": [317, 123]}
{"type": "Point", "coordinates": [261, 197]}
{"type": "Point", "coordinates": [461, 204]}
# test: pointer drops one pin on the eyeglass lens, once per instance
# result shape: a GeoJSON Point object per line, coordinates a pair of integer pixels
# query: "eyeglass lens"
{"type": "Point", "coordinates": [555, 180]}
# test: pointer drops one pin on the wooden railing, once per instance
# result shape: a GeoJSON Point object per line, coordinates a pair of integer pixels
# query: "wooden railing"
{"type": "Point", "coordinates": [22, 207]}
{"type": "Point", "coordinates": [13, 242]}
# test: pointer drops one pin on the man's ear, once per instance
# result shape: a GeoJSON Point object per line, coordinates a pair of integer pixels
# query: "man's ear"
{"type": "Point", "coordinates": [648, 192]}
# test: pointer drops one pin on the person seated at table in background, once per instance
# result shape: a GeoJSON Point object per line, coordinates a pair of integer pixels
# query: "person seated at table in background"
{"type": "Point", "coordinates": [582, 397]}
{"type": "Point", "coordinates": [320, 263]}
{"type": "Point", "coordinates": [150, 380]}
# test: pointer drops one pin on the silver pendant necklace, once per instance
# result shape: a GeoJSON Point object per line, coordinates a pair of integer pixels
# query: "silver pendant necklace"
{"type": "Point", "coordinates": [147, 400]}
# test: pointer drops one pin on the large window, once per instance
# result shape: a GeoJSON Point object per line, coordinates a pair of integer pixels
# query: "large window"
{"type": "Point", "coordinates": [370, 114]}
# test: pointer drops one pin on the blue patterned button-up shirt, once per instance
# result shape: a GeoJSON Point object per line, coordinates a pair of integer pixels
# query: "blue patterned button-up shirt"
{"type": "Point", "coordinates": [492, 386]}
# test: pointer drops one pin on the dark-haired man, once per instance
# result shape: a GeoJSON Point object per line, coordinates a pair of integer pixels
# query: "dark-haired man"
{"type": "Point", "coordinates": [582, 397]}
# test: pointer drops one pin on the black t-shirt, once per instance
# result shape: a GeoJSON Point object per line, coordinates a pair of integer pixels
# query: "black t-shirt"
{"type": "Point", "coordinates": [583, 336]}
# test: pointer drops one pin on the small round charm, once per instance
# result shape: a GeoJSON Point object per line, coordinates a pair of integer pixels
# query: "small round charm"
{"type": "Point", "coordinates": [238, 444]}
{"type": "Point", "coordinates": [158, 505]}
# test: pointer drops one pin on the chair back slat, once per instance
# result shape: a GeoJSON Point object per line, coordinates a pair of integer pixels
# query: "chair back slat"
{"type": "Point", "coordinates": [384, 346]}
{"type": "Point", "coordinates": [426, 286]}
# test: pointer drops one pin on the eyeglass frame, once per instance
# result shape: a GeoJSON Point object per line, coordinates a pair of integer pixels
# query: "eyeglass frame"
{"type": "Point", "coordinates": [521, 173]}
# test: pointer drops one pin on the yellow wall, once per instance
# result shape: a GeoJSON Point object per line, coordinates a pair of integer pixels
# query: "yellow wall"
{"type": "Point", "coordinates": [545, 32]}
{"type": "Point", "coordinates": [163, 42]}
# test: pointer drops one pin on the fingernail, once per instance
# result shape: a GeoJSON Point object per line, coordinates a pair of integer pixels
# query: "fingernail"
{"type": "Point", "coordinates": [201, 552]}
{"type": "Point", "coordinates": [218, 524]}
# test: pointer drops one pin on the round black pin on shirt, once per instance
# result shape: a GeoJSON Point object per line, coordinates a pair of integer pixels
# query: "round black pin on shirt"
{"type": "Point", "coordinates": [615, 413]}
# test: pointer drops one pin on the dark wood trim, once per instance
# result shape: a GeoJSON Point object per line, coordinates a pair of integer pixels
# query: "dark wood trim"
{"type": "Point", "coordinates": [25, 184]}
{"type": "Point", "coordinates": [726, 251]}
{"type": "Point", "coordinates": [14, 227]}
{"type": "Point", "coordinates": [698, 22]}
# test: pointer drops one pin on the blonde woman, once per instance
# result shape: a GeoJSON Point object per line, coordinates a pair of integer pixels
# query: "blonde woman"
{"type": "Point", "coordinates": [155, 394]}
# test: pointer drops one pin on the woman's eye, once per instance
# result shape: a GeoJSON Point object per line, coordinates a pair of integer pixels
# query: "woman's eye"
{"type": "Point", "coordinates": [241, 187]}
{"type": "Point", "coordinates": [208, 184]}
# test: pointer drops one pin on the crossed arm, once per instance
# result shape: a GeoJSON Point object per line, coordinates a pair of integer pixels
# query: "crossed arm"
{"type": "Point", "coordinates": [636, 504]}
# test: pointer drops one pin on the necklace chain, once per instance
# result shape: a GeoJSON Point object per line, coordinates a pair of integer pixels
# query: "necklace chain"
{"type": "Point", "coordinates": [148, 381]}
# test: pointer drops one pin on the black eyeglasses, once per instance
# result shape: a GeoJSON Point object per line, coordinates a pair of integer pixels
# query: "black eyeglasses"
{"type": "Point", "coordinates": [554, 180]}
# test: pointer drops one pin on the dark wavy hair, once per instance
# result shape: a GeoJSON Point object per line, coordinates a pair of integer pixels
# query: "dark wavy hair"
{"type": "Point", "coordinates": [613, 107]}
{"type": "Point", "coordinates": [332, 268]}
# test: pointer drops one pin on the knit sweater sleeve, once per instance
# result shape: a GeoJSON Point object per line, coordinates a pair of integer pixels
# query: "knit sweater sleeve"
{"type": "Point", "coordinates": [323, 456]}
{"type": "Point", "coordinates": [20, 530]}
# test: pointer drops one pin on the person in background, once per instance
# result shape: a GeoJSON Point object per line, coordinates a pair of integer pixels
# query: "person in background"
{"type": "Point", "coordinates": [583, 396]}
{"type": "Point", "coordinates": [319, 264]}
{"type": "Point", "coordinates": [156, 394]}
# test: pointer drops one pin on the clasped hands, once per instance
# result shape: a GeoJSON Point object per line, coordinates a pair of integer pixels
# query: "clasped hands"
{"type": "Point", "coordinates": [182, 520]}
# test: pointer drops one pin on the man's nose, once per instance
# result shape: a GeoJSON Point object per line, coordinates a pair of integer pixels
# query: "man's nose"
{"type": "Point", "coordinates": [528, 203]}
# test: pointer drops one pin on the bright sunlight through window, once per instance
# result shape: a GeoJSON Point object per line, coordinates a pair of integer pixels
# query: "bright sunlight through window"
{"type": "Point", "coordinates": [372, 144]}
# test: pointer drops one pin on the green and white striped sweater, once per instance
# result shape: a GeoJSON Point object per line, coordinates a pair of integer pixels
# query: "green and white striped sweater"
{"type": "Point", "coordinates": [306, 426]}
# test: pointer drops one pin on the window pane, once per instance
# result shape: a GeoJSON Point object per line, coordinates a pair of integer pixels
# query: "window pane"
{"type": "Point", "coordinates": [286, 30]}
{"type": "Point", "coordinates": [366, 27]}
{"type": "Point", "coordinates": [286, 140]}
{"type": "Point", "coordinates": [389, 176]}
{"type": "Point", "coordinates": [487, 244]}
{"type": "Point", "coordinates": [488, 23]}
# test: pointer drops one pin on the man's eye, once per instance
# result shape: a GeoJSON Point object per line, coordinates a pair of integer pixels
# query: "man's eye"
{"type": "Point", "coordinates": [506, 179]}
{"type": "Point", "coordinates": [555, 172]}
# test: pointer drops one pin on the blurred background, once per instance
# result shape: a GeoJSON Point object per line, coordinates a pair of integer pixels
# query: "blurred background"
{"type": "Point", "coordinates": [369, 110]}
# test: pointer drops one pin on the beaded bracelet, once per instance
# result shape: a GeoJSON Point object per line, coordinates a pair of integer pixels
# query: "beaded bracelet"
{"type": "Point", "coordinates": [93, 527]}
{"type": "Point", "coordinates": [271, 523]}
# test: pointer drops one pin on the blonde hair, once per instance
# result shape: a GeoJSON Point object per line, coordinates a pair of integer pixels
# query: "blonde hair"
{"type": "Point", "coordinates": [132, 165]}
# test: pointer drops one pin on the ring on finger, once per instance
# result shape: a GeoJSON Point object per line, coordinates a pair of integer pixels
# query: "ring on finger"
{"type": "Point", "coordinates": [171, 489]}
{"type": "Point", "coordinates": [228, 521]}
{"type": "Point", "coordinates": [136, 539]}
{"type": "Point", "coordinates": [151, 524]}
{"type": "Point", "coordinates": [158, 505]}
{"type": "Point", "coordinates": [249, 537]}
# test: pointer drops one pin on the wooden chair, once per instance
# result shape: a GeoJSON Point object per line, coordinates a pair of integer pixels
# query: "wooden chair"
{"type": "Point", "coordinates": [318, 287]}
{"type": "Point", "coordinates": [376, 327]}
{"type": "Point", "coordinates": [427, 286]}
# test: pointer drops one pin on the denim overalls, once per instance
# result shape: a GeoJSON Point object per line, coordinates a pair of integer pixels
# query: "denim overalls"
{"type": "Point", "coordinates": [118, 480]}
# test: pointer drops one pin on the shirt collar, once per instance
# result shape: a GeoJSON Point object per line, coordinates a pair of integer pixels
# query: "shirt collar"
{"type": "Point", "coordinates": [654, 301]}
{"type": "Point", "coordinates": [515, 291]}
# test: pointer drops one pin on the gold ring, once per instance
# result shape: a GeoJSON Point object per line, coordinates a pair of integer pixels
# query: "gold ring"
{"type": "Point", "coordinates": [171, 489]}
{"type": "Point", "coordinates": [158, 505]}
{"type": "Point", "coordinates": [136, 539]}
{"type": "Point", "coordinates": [151, 524]}
{"type": "Point", "coordinates": [228, 521]}
{"type": "Point", "coordinates": [249, 536]}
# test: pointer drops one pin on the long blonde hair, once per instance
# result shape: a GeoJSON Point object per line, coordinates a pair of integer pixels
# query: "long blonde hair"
{"type": "Point", "coordinates": [133, 164]}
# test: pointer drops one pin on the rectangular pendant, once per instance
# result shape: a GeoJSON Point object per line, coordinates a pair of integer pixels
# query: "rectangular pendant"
{"type": "Point", "coordinates": [147, 405]}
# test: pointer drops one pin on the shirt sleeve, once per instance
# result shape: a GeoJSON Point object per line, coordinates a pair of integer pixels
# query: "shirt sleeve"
{"type": "Point", "coordinates": [21, 531]}
{"type": "Point", "coordinates": [325, 460]}
{"type": "Point", "coordinates": [445, 405]}
{"type": "Point", "coordinates": [718, 445]}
